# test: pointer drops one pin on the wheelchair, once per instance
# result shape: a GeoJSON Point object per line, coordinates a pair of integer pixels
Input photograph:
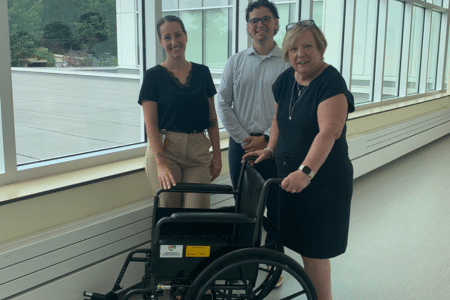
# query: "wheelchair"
{"type": "Point", "coordinates": [200, 254]}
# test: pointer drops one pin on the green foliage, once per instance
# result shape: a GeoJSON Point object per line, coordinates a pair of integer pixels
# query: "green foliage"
{"type": "Point", "coordinates": [48, 22]}
{"type": "Point", "coordinates": [58, 37]}
{"type": "Point", "coordinates": [92, 29]}
{"type": "Point", "coordinates": [22, 48]}
{"type": "Point", "coordinates": [25, 16]}
{"type": "Point", "coordinates": [44, 54]}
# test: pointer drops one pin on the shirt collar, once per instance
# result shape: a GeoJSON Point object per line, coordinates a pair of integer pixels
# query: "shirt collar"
{"type": "Point", "coordinates": [276, 51]}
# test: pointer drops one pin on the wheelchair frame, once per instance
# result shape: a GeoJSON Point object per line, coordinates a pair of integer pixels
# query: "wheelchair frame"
{"type": "Point", "coordinates": [219, 249]}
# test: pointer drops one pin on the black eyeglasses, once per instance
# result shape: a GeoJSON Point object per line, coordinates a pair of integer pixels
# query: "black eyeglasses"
{"type": "Point", "coordinates": [305, 23]}
{"type": "Point", "coordinates": [255, 21]}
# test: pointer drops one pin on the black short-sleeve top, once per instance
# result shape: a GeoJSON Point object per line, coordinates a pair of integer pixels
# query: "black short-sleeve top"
{"type": "Point", "coordinates": [182, 108]}
{"type": "Point", "coordinates": [297, 134]}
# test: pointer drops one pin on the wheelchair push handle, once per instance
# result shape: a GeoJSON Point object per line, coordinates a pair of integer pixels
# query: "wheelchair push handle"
{"type": "Point", "coordinates": [269, 181]}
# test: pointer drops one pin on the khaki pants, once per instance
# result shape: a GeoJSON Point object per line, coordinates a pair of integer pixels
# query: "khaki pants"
{"type": "Point", "coordinates": [189, 159]}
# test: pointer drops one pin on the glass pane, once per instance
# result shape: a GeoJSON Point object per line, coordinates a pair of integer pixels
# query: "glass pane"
{"type": "Point", "coordinates": [364, 50]}
{"type": "Point", "coordinates": [329, 17]}
{"type": "Point", "coordinates": [415, 50]}
{"type": "Point", "coordinates": [433, 50]}
{"type": "Point", "coordinates": [194, 27]}
{"type": "Point", "coordinates": [448, 65]}
{"type": "Point", "coordinates": [285, 12]}
{"type": "Point", "coordinates": [438, 2]}
{"type": "Point", "coordinates": [169, 4]}
{"type": "Point", "coordinates": [190, 3]}
{"type": "Point", "coordinates": [216, 38]}
{"type": "Point", "coordinates": [213, 3]}
{"type": "Point", "coordinates": [318, 13]}
{"type": "Point", "coordinates": [71, 93]}
{"type": "Point", "coordinates": [393, 50]}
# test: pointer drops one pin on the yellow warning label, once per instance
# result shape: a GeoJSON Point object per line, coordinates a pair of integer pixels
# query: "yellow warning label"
{"type": "Point", "coordinates": [198, 251]}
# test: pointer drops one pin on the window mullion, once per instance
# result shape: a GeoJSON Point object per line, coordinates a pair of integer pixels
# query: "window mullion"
{"type": "Point", "coordinates": [407, 28]}
{"type": "Point", "coordinates": [306, 9]}
{"type": "Point", "coordinates": [347, 45]}
{"type": "Point", "coordinates": [8, 165]}
{"type": "Point", "coordinates": [380, 52]}
{"type": "Point", "coordinates": [423, 80]}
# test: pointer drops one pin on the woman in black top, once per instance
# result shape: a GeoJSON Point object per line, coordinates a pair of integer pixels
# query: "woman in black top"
{"type": "Point", "coordinates": [308, 131]}
{"type": "Point", "coordinates": [177, 99]}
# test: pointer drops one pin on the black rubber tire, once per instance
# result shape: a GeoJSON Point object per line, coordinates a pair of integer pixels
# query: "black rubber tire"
{"type": "Point", "coordinates": [254, 258]}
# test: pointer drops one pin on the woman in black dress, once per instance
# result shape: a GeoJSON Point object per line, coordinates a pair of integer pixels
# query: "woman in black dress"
{"type": "Point", "coordinates": [308, 139]}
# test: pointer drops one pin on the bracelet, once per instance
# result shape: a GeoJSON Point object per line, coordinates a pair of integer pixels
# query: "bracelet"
{"type": "Point", "coordinates": [271, 151]}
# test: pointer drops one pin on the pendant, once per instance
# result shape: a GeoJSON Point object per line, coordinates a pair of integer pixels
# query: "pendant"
{"type": "Point", "coordinates": [290, 118]}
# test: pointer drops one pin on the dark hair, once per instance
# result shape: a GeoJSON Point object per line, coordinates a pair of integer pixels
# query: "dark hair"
{"type": "Point", "coordinates": [259, 4]}
{"type": "Point", "coordinates": [169, 18]}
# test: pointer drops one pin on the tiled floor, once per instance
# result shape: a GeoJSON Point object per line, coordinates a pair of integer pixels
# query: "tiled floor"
{"type": "Point", "coordinates": [399, 243]}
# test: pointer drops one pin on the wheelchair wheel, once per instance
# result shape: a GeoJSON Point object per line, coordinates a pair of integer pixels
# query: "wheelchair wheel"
{"type": "Point", "coordinates": [226, 278]}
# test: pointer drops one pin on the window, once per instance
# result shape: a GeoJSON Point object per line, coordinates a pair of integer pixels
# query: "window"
{"type": "Point", "coordinates": [446, 64]}
{"type": "Point", "coordinates": [329, 17]}
{"type": "Point", "coordinates": [394, 31]}
{"type": "Point", "coordinates": [208, 26]}
{"type": "Point", "coordinates": [286, 12]}
{"type": "Point", "coordinates": [71, 95]}
{"type": "Point", "coordinates": [433, 50]}
{"type": "Point", "coordinates": [364, 50]}
{"type": "Point", "coordinates": [415, 50]}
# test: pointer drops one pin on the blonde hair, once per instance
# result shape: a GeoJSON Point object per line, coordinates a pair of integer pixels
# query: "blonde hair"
{"type": "Point", "coordinates": [292, 35]}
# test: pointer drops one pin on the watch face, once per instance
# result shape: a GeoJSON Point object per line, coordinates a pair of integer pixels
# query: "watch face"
{"type": "Point", "coordinates": [306, 170]}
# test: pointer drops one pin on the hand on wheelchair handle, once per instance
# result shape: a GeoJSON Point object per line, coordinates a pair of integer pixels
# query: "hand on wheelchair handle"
{"type": "Point", "coordinates": [257, 156]}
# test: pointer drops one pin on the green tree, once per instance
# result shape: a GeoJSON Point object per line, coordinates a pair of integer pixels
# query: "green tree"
{"type": "Point", "coordinates": [92, 29]}
{"type": "Point", "coordinates": [106, 8]}
{"type": "Point", "coordinates": [44, 54]}
{"type": "Point", "coordinates": [58, 37]}
{"type": "Point", "coordinates": [25, 16]}
{"type": "Point", "coordinates": [22, 47]}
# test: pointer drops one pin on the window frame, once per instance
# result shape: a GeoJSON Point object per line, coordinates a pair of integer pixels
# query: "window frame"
{"type": "Point", "coordinates": [9, 172]}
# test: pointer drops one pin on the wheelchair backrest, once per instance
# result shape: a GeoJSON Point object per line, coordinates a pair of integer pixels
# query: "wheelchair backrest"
{"type": "Point", "coordinates": [250, 193]}
{"type": "Point", "coordinates": [250, 201]}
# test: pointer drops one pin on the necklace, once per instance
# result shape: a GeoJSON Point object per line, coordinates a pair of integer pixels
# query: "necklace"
{"type": "Point", "coordinates": [299, 95]}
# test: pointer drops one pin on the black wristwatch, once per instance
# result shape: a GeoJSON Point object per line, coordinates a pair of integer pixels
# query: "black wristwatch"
{"type": "Point", "coordinates": [307, 171]}
{"type": "Point", "coordinates": [266, 138]}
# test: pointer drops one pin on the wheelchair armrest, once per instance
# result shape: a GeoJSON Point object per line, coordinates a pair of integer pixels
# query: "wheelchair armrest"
{"type": "Point", "coordinates": [198, 188]}
{"type": "Point", "coordinates": [211, 217]}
